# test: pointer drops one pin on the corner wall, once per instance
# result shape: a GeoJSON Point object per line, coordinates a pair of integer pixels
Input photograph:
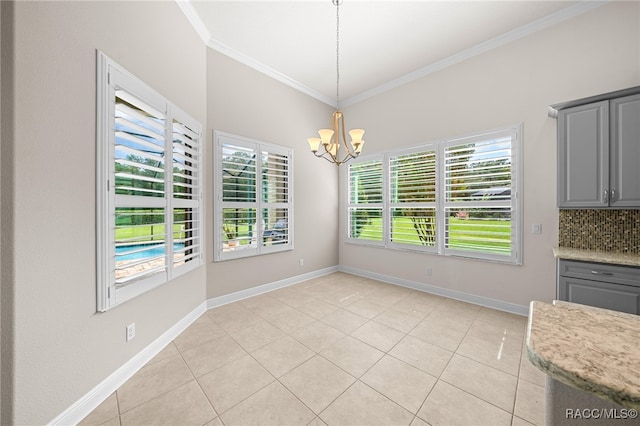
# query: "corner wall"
{"type": "Point", "coordinates": [62, 347]}
{"type": "Point", "coordinates": [589, 54]}
{"type": "Point", "coordinates": [246, 102]}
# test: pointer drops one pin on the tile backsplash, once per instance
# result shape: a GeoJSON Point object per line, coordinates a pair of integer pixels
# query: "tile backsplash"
{"type": "Point", "coordinates": [606, 230]}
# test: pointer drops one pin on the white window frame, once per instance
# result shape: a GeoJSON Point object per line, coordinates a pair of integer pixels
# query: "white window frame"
{"type": "Point", "coordinates": [112, 77]}
{"type": "Point", "coordinates": [515, 131]}
{"type": "Point", "coordinates": [257, 247]}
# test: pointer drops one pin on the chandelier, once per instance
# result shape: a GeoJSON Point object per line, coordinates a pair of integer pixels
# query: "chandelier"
{"type": "Point", "coordinates": [332, 139]}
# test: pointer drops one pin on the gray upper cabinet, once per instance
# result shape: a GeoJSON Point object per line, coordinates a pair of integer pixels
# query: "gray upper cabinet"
{"type": "Point", "coordinates": [599, 154]}
{"type": "Point", "coordinates": [583, 156]}
{"type": "Point", "coordinates": [625, 152]}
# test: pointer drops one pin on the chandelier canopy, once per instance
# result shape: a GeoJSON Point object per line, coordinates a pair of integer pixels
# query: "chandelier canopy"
{"type": "Point", "coordinates": [333, 139]}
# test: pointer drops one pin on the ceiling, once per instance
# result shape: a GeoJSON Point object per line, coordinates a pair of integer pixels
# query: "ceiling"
{"type": "Point", "coordinates": [383, 44]}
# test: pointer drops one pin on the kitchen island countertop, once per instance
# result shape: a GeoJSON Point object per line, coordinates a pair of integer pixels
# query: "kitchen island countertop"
{"type": "Point", "coordinates": [592, 349]}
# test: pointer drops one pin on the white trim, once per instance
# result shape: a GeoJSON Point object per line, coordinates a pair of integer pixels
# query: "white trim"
{"type": "Point", "coordinates": [265, 288]}
{"type": "Point", "coordinates": [194, 19]}
{"type": "Point", "coordinates": [85, 405]}
{"type": "Point", "coordinates": [441, 291]}
{"type": "Point", "coordinates": [555, 18]}
{"type": "Point", "coordinates": [267, 70]}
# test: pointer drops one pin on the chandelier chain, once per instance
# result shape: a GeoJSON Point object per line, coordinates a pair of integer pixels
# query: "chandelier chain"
{"type": "Point", "coordinates": [337, 3]}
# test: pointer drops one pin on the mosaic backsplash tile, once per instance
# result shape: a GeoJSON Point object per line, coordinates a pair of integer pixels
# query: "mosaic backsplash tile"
{"type": "Point", "coordinates": [605, 230]}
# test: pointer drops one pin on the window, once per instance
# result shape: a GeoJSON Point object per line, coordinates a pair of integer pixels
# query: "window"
{"type": "Point", "coordinates": [455, 197]}
{"type": "Point", "coordinates": [149, 187]}
{"type": "Point", "coordinates": [254, 211]}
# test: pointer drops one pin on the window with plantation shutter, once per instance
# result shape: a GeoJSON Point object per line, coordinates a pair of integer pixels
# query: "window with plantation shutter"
{"type": "Point", "coordinates": [365, 209]}
{"type": "Point", "coordinates": [479, 196]}
{"type": "Point", "coordinates": [412, 204]}
{"type": "Point", "coordinates": [149, 187]}
{"type": "Point", "coordinates": [453, 197]}
{"type": "Point", "coordinates": [254, 211]}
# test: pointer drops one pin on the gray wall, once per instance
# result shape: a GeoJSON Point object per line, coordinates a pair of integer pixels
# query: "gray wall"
{"type": "Point", "coordinates": [246, 102]}
{"type": "Point", "coordinates": [62, 347]}
{"type": "Point", "coordinates": [589, 54]}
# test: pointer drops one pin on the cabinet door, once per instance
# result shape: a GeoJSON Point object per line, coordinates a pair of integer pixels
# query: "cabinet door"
{"type": "Point", "coordinates": [616, 297]}
{"type": "Point", "coordinates": [583, 156]}
{"type": "Point", "coordinates": [625, 152]}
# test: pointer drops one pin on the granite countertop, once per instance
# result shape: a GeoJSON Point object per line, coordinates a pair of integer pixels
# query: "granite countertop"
{"type": "Point", "coordinates": [627, 259]}
{"type": "Point", "coordinates": [588, 348]}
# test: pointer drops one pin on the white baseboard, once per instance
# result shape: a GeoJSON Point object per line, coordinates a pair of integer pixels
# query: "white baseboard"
{"type": "Point", "coordinates": [265, 288]}
{"type": "Point", "coordinates": [85, 405]}
{"type": "Point", "coordinates": [441, 291]}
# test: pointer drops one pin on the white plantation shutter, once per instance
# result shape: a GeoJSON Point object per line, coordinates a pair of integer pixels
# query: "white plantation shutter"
{"type": "Point", "coordinates": [412, 178]}
{"type": "Point", "coordinates": [479, 196]}
{"type": "Point", "coordinates": [149, 195]}
{"type": "Point", "coordinates": [365, 209]}
{"type": "Point", "coordinates": [454, 197]}
{"type": "Point", "coordinates": [254, 189]}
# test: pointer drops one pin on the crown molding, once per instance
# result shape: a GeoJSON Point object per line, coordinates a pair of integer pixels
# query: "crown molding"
{"type": "Point", "coordinates": [194, 19]}
{"type": "Point", "coordinates": [579, 8]}
{"type": "Point", "coordinates": [250, 62]}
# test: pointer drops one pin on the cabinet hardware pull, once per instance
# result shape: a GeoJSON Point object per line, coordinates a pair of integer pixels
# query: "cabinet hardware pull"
{"type": "Point", "coordinates": [613, 195]}
{"type": "Point", "coordinates": [606, 196]}
{"type": "Point", "coordinates": [602, 273]}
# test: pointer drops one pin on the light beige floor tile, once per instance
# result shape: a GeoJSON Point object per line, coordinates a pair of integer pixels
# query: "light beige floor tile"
{"type": "Point", "coordinates": [530, 402]}
{"type": "Point", "coordinates": [317, 335]}
{"type": "Point", "coordinates": [290, 320]}
{"type": "Point", "coordinates": [448, 405]}
{"type": "Point", "coordinates": [360, 405]}
{"type": "Point", "coordinates": [352, 355]}
{"type": "Point", "coordinates": [203, 330]}
{"type": "Point", "coordinates": [365, 308]}
{"type": "Point", "coordinates": [341, 297]}
{"type": "Point", "coordinates": [268, 307]}
{"type": "Point", "coordinates": [271, 406]}
{"type": "Point", "coordinates": [408, 306]}
{"type": "Point", "coordinates": [484, 382]}
{"type": "Point", "coordinates": [427, 357]}
{"type": "Point", "coordinates": [153, 380]}
{"type": "Point", "coordinates": [400, 382]}
{"type": "Point", "coordinates": [517, 421]}
{"type": "Point", "coordinates": [495, 346]}
{"type": "Point", "coordinates": [417, 421]}
{"type": "Point", "coordinates": [292, 297]}
{"type": "Point", "coordinates": [317, 383]}
{"type": "Point", "coordinates": [215, 422]}
{"type": "Point", "coordinates": [377, 335]}
{"type": "Point", "coordinates": [257, 335]}
{"type": "Point", "coordinates": [394, 319]}
{"type": "Point", "coordinates": [165, 353]}
{"type": "Point", "coordinates": [317, 422]}
{"type": "Point", "coordinates": [516, 323]}
{"type": "Point", "coordinates": [103, 412]}
{"type": "Point", "coordinates": [212, 355]}
{"type": "Point", "coordinates": [317, 309]}
{"type": "Point", "coordinates": [228, 385]}
{"type": "Point", "coordinates": [186, 405]}
{"type": "Point", "coordinates": [282, 355]}
{"type": "Point", "coordinates": [386, 298]}
{"type": "Point", "coordinates": [234, 317]}
{"type": "Point", "coordinates": [445, 333]}
{"type": "Point", "coordinates": [344, 321]}
{"type": "Point", "coordinates": [529, 372]}
{"type": "Point", "coordinates": [425, 299]}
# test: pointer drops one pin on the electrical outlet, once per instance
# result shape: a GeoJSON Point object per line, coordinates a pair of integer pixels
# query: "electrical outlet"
{"type": "Point", "coordinates": [301, 262]}
{"type": "Point", "coordinates": [131, 331]}
{"type": "Point", "coordinates": [429, 271]}
{"type": "Point", "coordinates": [536, 228]}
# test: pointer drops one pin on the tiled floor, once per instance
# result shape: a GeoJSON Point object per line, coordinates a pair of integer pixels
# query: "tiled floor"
{"type": "Point", "coordinates": [338, 350]}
